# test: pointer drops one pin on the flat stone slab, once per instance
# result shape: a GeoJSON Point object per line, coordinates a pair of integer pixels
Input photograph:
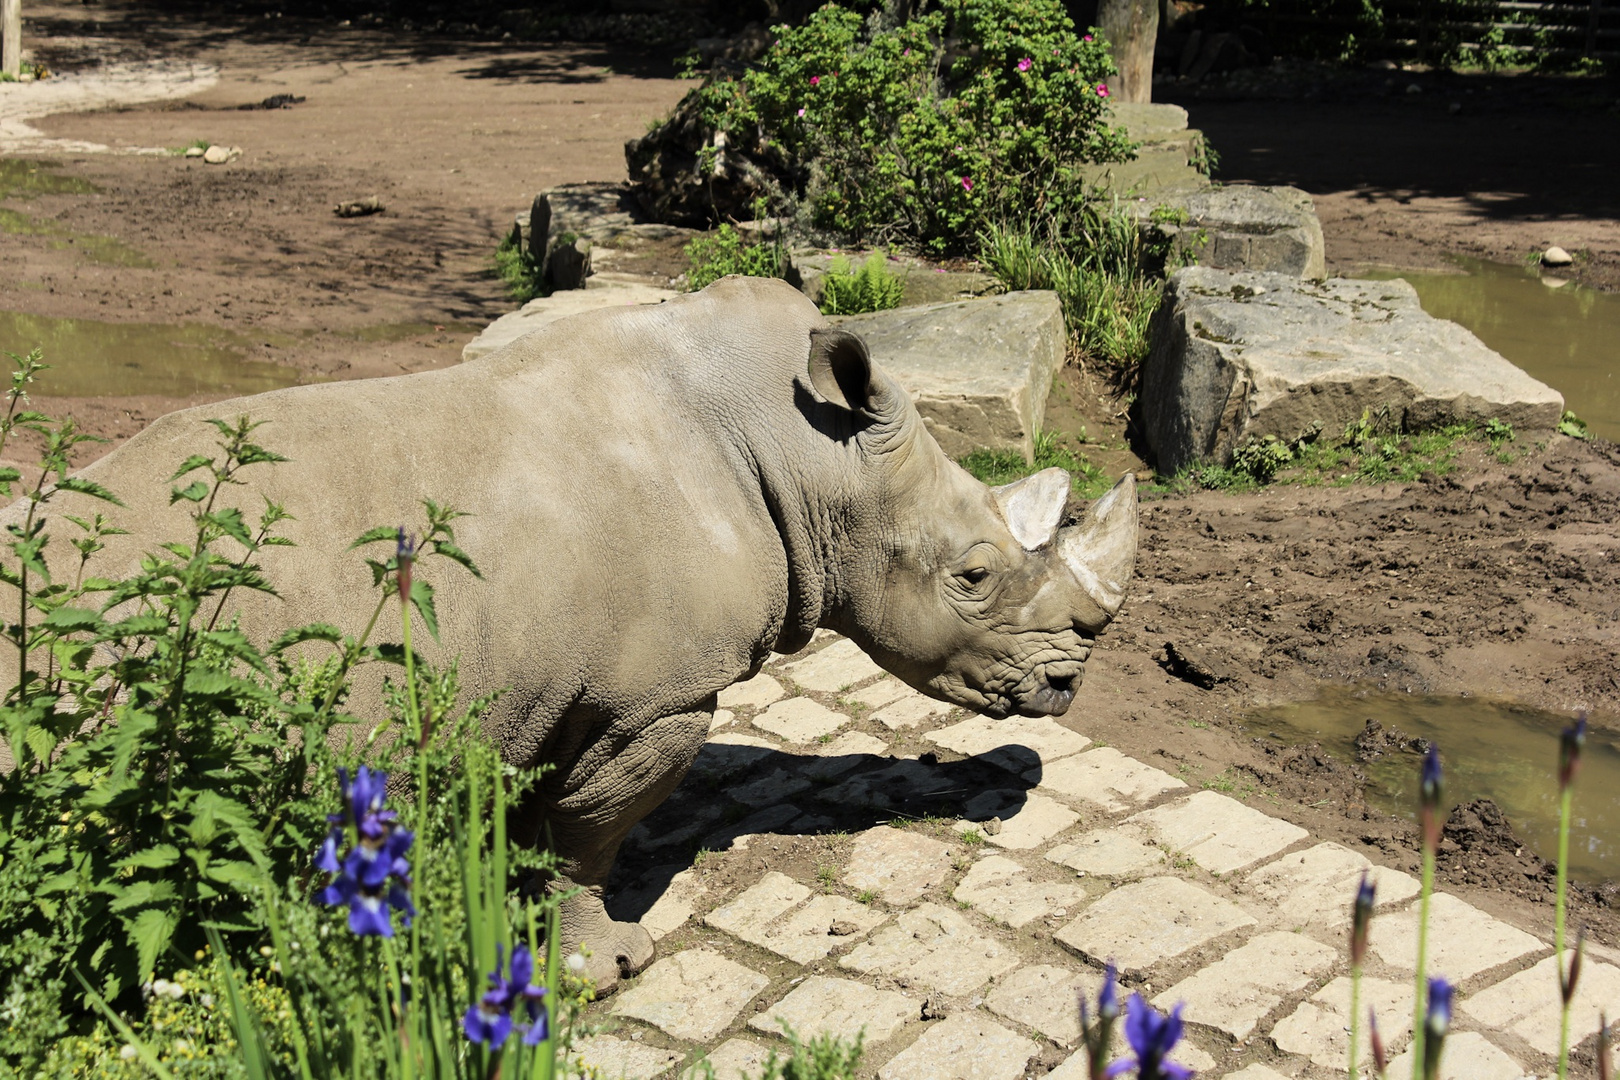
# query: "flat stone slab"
{"type": "Point", "coordinates": [1526, 1004]}
{"type": "Point", "coordinates": [779, 785]}
{"type": "Point", "coordinates": [882, 693]}
{"type": "Point", "coordinates": [910, 711]}
{"type": "Point", "coordinates": [624, 1058]}
{"type": "Point", "coordinates": [1218, 833]}
{"type": "Point", "coordinates": [1106, 778]}
{"type": "Point", "coordinates": [694, 994]}
{"type": "Point", "coordinates": [906, 781]}
{"type": "Point", "coordinates": [751, 912]}
{"type": "Point", "coordinates": [898, 866]}
{"type": "Point", "coordinates": [1075, 1066]}
{"type": "Point", "coordinates": [1237, 991]}
{"type": "Point", "coordinates": [1239, 356]}
{"type": "Point", "coordinates": [839, 1007]}
{"type": "Point", "coordinates": [921, 282]}
{"type": "Point", "coordinates": [1002, 889]}
{"type": "Point", "coordinates": [1027, 819]}
{"type": "Point", "coordinates": [1146, 922]}
{"type": "Point", "coordinates": [850, 749]}
{"type": "Point", "coordinates": [674, 906]}
{"type": "Point", "coordinates": [1045, 998]}
{"type": "Point", "coordinates": [979, 370]}
{"type": "Point", "coordinates": [736, 1059]}
{"type": "Point", "coordinates": [995, 740]}
{"type": "Point", "coordinates": [545, 310]}
{"type": "Point", "coordinates": [1244, 227]}
{"type": "Point", "coordinates": [1320, 1027]}
{"type": "Point", "coordinates": [1315, 888]}
{"type": "Point", "coordinates": [836, 667]}
{"type": "Point", "coordinates": [1108, 853]}
{"type": "Point", "coordinates": [1468, 1055]}
{"type": "Point", "coordinates": [1261, 1072]}
{"type": "Point", "coordinates": [755, 693]}
{"type": "Point", "coordinates": [965, 1046]}
{"type": "Point", "coordinates": [935, 947]}
{"type": "Point", "coordinates": [729, 752]}
{"type": "Point", "coordinates": [799, 720]}
{"type": "Point", "coordinates": [1463, 940]}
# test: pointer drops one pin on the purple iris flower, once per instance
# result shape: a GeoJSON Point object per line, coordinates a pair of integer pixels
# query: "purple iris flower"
{"type": "Point", "coordinates": [373, 878]}
{"type": "Point", "coordinates": [1151, 1035]}
{"type": "Point", "coordinates": [1436, 1022]}
{"type": "Point", "coordinates": [490, 1021]}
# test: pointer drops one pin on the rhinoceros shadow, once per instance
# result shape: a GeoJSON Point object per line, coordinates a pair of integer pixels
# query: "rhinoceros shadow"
{"type": "Point", "coordinates": [736, 790]}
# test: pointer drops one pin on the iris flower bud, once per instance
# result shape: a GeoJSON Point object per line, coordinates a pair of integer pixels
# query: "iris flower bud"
{"type": "Point", "coordinates": [1569, 752]}
{"type": "Point", "coordinates": [1361, 919]}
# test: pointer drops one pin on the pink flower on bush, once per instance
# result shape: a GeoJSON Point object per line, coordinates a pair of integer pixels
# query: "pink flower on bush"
{"type": "Point", "coordinates": [1025, 64]}
{"type": "Point", "coordinates": [815, 80]}
{"type": "Point", "coordinates": [1086, 39]}
{"type": "Point", "coordinates": [967, 183]}
{"type": "Point", "coordinates": [1102, 89]}
{"type": "Point", "coordinates": [801, 111]}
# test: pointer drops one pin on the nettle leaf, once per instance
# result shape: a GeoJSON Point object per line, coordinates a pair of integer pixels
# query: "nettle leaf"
{"type": "Point", "coordinates": [142, 893]}
{"type": "Point", "coordinates": [8, 474]}
{"type": "Point", "coordinates": [450, 551]}
{"type": "Point", "coordinates": [310, 632]}
{"type": "Point", "coordinates": [150, 932]}
{"type": "Point", "coordinates": [191, 464]}
{"type": "Point", "coordinates": [372, 536]}
{"type": "Point", "coordinates": [229, 522]}
{"type": "Point", "coordinates": [253, 454]}
{"type": "Point", "coordinates": [67, 619]}
{"type": "Point", "coordinates": [236, 873]}
{"type": "Point", "coordinates": [392, 652]}
{"type": "Point", "coordinates": [42, 742]}
{"type": "Point", "coordinates": [153, 858]}
{"type": "Point", "coordinates": [422, 600]}
{"type": "Point", "coordinates": [196, 492]}
{"type": "Point", "coordinates": [136, 626]}
{"type": "Point", "coordinates": [87, 487]}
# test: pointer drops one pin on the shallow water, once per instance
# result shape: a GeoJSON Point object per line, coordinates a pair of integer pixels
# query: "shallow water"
{"type": "Point", "coordinates": [1489, 749]}
{"type": "Point", "coordinates": [1567, 336]}
{"type": "Point", "coordinates": [21, 179]}
{"type": "Point", "coordinates": [93, 359]}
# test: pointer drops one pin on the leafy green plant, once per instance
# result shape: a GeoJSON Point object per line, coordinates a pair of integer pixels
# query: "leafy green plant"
{"type": "Point", "coordinates": [1573, 426]}
{"type": "Point", "coordinates": [710, 258]}
{"type": "Point", "coordinates": [522, 273]}
{"type": "Point", "coordinates": [854, 292]}
{"type": "Point", "coordinates": [995, 467]}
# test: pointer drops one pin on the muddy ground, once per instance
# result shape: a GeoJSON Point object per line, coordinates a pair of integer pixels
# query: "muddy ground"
{"type": "Point", "coordinates": [1496, 579]}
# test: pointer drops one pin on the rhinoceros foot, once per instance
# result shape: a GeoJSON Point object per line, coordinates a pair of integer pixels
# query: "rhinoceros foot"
{"type": "Point", "coordinates": [613, 950]}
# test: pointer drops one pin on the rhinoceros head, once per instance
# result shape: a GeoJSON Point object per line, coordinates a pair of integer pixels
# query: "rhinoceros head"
{"type": "Point", "coordinates": [971, 594]}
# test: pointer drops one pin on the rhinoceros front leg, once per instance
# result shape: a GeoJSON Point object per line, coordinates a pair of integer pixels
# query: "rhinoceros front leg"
{"type": "Point", "coordinates": [591, 805]}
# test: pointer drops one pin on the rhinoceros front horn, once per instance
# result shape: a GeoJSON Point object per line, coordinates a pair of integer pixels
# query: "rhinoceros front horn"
{"type": "Point", "coordinates": [1101, 548]}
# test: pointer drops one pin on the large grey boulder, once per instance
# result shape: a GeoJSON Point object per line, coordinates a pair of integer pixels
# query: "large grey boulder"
{"type": "Point", "coordinates": [1244, 228]}
{"type": "Point", "coordinates": [1239, 356]}
{"type": "Point", "coordinates": [979, 370]}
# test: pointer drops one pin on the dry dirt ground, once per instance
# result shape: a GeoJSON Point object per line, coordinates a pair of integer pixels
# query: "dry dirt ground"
{"type": "Point", "coordinates": [1498, 579]}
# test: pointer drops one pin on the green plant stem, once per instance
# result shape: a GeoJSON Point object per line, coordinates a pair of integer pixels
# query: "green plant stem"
{"type": "Point", "coordinates": [1421, 996]}
{"type": "Point", "coordinates": [419, 733]}
{"type": "Point", "coordinates": [1355, 1017]}
{"type": "Point", "coordinates": [1558, 926]}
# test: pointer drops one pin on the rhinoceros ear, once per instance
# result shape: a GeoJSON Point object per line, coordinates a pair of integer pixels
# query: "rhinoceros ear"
{"type": "Point", "coordinates": [841, 369]}
{"type": "Point", "coordinates": [1033, 506]}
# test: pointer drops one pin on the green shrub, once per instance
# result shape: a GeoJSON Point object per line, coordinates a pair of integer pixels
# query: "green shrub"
{"type": "Point", "coordinates": [904, 142]}
{"type": "Point", "coordinates": [710, 258]}
{"type": "Point", "coordinates": [521, 272]}
{"type": "Point", "coordinates": [854, 292]}
{"type": "Point", "coordinates": [996, 467]}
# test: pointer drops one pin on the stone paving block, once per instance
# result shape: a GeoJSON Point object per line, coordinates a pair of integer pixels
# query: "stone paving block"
{"type": "Point", "coordinates": [721, 718]}
{"type": "Point", "coordinates": [731, 752]}
{"type": "Point", "coordinates": [1320, 1027]}
{"type": "Point", "coordinates": [776, 787]}
{"type": "Point", "coordinates": [1106, 777]}
{"type": "Point", "coordinates": [1141, 924]}
{"type": "Point", "coordinates": [699, 819]}
{"type": "Point", "coordinates": [836, 667]}
{"type": "Point", "coordinates": [840, 1007]}
{"type": "Point", "coordinates": [1261, 1072]}
{"type": "Point", "coordinates": [737, 835]}
{"type": "Point", "coordinates": [799, 720]}
{"type": "Point", "coordinates": [824, 924]}
{"type": "Point", "coordinates": [1463, 940]}
{"type": "Point", "coordinates": [1045, 998]}
{"type": "Point", "coordinates": [965, 1046]}
{"type": "Point", "coordinates": [1218, 833]}
{"type": "Point", "coordinates": [845, 752]}
{"type": "Point", "coordinates": [935, 947]}
{"type": "Point", "coordinates": [1108, 853]}
{"type": "Point", "coordinates": [1468, 1056]}
{"type": "Point", "coordinates": [1527, 1003]}
{"type": "Point", "coordinates": [769, 898]}
{"type": "Point", "coordinates": [881, 693]}
{"type": "Point", "coordinates": [1314, 888]}
{"type": "Point", "coordinates": [1001, 889]}
{"type": "Point", "coordinates": [755, 693]}
{"type": "Point", "coordinates": [734, 1059]}
{"type": "Point", "coordinates": [671, 910]}
{"type": "Point", "coordinates": [692, 995]}
{"type": "Point", "coordinates": [982, 736]}
{"type": "Point", "coordinates": [1237, 991]}
{"type": "Point", "coordinates": [624, 1058]}
{"type": "Point", "coordinates": [898, 866]}
{"type": "Point", "coordinates": [1027, 819]}
{"type": "Point", "coordinates": [906, 781]}
{"type": "Point", "coordinates": [910, 711]}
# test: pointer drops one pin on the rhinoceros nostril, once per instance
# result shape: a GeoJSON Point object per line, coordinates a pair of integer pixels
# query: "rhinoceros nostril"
{"type": "Point", "coordinates": [1063, 684]}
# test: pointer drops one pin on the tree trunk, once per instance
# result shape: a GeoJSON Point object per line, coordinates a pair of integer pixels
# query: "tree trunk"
{"type": "Point", "coordinates": [11, 37]}
{"type": "Point", "coordinates": [1130, 27]}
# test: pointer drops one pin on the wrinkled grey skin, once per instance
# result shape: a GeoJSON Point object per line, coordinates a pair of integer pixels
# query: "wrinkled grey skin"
{"type": "Point", "coordinates": [661, 497]}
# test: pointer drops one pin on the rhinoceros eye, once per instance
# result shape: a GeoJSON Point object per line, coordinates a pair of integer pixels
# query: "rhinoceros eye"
{"type": "Point", "coordinates": [975, 575]}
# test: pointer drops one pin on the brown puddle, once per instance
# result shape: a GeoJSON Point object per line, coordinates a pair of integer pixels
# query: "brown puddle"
{"type": "Point", "coordinates": [1564, 334]}
{"type": "Point", "coordinates": [1489, 749]}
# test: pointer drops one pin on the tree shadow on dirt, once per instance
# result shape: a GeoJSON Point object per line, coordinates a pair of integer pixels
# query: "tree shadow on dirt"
{"type": "Point", "coordinates": [735, 790]}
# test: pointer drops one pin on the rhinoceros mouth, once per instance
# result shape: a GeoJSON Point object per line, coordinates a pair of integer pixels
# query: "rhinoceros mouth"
{"type": "Point", "coordinates": [1052, 689]}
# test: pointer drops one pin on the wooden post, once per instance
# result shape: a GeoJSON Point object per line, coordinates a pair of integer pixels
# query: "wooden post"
{"type": "Point", "coordinates": [1131, 27]}
{"type": "Point", "coordinates": [11, 37]}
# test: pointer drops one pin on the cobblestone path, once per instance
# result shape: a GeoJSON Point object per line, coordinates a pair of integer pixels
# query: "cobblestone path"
{"type": "Point", "coordinates": [959, 943]}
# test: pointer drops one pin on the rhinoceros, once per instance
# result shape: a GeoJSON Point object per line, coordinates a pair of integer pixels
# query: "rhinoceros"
{"type": "Point", "coordinates": [661, 498]}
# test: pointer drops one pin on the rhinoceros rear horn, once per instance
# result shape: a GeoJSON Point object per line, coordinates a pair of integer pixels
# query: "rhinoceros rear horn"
{"type": "Point", "coordinates": [841, 370]}
{"type": "Point", "coordinates": [1101, 549]}
{"type": "Point", "coordinates": [1033, 506]}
